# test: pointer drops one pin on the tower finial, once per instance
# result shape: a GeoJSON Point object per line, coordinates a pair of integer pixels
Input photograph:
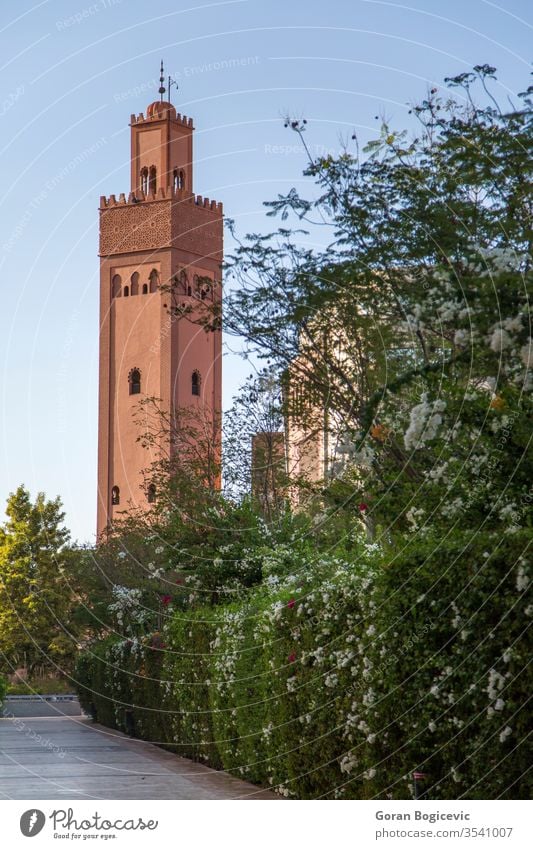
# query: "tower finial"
{"type": "Point", "coordinates": [171, 83]}
{"type": "Point", "coordinates": [162, 80]}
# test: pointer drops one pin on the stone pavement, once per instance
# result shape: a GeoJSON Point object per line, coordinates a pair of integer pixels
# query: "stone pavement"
{"type": "Point", "coordinates": [70, 757]}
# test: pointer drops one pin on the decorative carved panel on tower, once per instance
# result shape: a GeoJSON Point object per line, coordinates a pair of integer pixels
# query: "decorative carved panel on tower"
{"type": "Point", "coordinates": [135, 227]}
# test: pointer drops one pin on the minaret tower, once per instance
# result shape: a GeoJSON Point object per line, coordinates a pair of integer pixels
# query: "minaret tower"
{"type": "Point", "coordinates": [161, 234]}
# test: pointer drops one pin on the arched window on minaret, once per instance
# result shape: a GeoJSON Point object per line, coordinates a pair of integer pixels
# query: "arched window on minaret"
{"type": "Point", "coordinates": [126, 291]}
{"type": "Point", "coordinates": [145, 288]}
{"type": "Point", "coordinates": [144, 180]}
{"type": "Point", "coordinates": [184, 282]}
{"type": "Point", "coordinates": [115, 495]}
{"type": "Point", "coordinates": [134, 283]}
{"type": "Point", "coordinates": [116, 286]}
{"type": "Point", "coordinates": [134, 380]}
{"type": "Point", "coordinates": [154, 280]}
{"type": "Point", "coordinates": [151, 493]}
{"type": "Point", "coordinates": [178, 179]}
{"type": "Point", "coordinates": [153, 179]}
{"type": "Point", "coordinates": [195, 382]}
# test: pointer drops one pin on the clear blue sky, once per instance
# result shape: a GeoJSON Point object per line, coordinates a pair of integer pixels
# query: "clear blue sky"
{"type": "Point", "coordinates": [73, 72]}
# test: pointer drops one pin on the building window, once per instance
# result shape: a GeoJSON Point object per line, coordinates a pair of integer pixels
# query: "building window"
{"type": "Point", "coordinates": [195, 382]}
{"type": "Point", "coordinates": [134, 283]}
{"type": "Point", "coordinates": [153, 179]}
{"type": "Point", "coordinates": [116, 285]}
{"type": "Point", "coordinates": [178, 179]}
{"type": "Point", "coordinates": [134, 381]}
{"type": "Point", "coordinates": [115, 496]}
{"type": "Point", "coordinates": [144, 180]}
{"type": "Point", "coordinates": [145, 288]}
{"type": "Point", "coordinates": [154, 280]}
{"type": "Point", "coordinates": [126, 291]}
{"type": "Point", "coordinates": [151, 494]}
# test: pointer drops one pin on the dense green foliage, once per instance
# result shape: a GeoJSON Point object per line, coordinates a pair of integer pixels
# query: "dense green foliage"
{"type": "Point", "coordinates": [410, 334]}
{"type": "Point", "coordinates": [3, 689]}
{"type": "Point", "coordinates": [34, 591]}
{"type": "Point", "coordinates": [343, 678]}
{"type": "Point", "coordinates": [44, 686]}
{"type": "Point", "coordinates": [452, 655]}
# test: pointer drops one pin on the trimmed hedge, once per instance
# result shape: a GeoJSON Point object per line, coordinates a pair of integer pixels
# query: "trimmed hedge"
{"type": "Point", "coordinates": [341, 682]}
{"type": "Point", "coordinates": [451, 700]}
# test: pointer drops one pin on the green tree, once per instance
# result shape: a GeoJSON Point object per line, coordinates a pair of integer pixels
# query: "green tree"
{"type": "Point", "coordinates": [412, 329]}
{"type": "Point", "coordinates": [35, 596]}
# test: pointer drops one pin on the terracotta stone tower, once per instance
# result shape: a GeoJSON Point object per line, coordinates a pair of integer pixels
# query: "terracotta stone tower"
{"type": "Point", "coordinates": [160, 234]}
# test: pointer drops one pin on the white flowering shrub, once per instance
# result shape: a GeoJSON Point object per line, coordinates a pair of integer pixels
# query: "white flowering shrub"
{"type": "Point", "coordinates": [450, 659]}
{"type": "Point", "coordinates": [341, 681]}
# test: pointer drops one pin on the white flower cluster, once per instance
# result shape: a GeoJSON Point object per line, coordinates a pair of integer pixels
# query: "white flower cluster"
{"type": "Point", "coordinates": [283, 791]}
{"type": "Point", "coordinates": [348, 763]}
{"type": "Point", "coordinates": [526, 353]}
{"type": "Point", "coordinates": [507, 731]}
{"type": "Point", "coordinates": [369, 774]}
{"type": "Point", "coordinates": [462, 338]}
{"type": "Point", "coordinates": [498, 259]}
{"type": "Point", "coordinates": [505, 339]}
{"type": "Point", "coordinates": [291, 684]}
{"type": "Point", "coordinates": [414, 517]}
{"type": "Point", "coordinates": [438, 473]}
{"type": "Point", "coordinates": [127, 603]}
{"type": "Point", "coordinates": [425, 420]}
{"type": "Point", "coordinates": [453, 507]}
{"type": "Point", "coordinates": [499, 340]}
{"type": "Point", "coordinates": [457, 620]}
{"type": "Point", "coordinates": [267, 730]}
{"type": "Point", "coordinates": [495, 684]}
{"type": "Point", "coordinates": [364, 457]}
{"type": "Point", "coordinates": [522, 578]}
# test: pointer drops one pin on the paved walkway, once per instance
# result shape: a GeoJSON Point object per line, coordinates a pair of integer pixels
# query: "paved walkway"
{"type": "Point", "coordinates": [70, 757]}
{"type": "Point", "coordinates": [34, 706]}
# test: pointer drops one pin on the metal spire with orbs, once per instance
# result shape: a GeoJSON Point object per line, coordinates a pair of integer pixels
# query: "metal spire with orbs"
{"type": "Point", "coordinates": [162, 88]}
{"type": "Point", "coordinates": [162, 80]}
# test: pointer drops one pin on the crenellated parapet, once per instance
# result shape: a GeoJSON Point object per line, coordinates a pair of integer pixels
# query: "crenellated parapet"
{"type": "Point", "coordinates": [159, 114]}
{"type": "Point", "coordinates": [180, 195]}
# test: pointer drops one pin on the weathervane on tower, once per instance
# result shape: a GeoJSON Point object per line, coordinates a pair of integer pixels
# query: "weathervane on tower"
{"type": "Point", "coordinates": [162, 88]}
